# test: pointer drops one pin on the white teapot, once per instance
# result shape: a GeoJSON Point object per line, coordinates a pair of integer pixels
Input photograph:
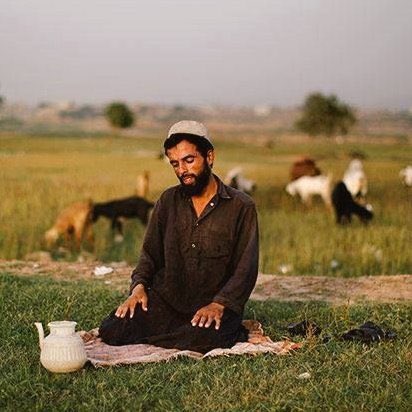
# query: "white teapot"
{"type": "Point", "coordinates": [63, 350]}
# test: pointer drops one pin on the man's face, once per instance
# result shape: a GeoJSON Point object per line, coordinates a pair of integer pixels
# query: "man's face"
{"type": "Point", "coordinates": [191, 168]}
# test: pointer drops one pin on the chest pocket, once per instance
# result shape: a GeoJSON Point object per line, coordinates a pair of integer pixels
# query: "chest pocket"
{"type": "Point", "coordinates": [216, 247]}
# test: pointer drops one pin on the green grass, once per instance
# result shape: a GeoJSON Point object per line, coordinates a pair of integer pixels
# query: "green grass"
{"type": "Point", "coordinates": [345, 376]}
{"type": "Point", "coordinates": [40, 175]}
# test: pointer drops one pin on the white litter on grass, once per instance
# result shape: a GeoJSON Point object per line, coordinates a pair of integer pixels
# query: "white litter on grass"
{"type": "Point", "coordinates": [102, 270]}
{"type": "Point", "coordinates": [304, 375]}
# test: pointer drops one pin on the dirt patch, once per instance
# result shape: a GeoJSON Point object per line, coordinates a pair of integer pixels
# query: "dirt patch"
{"type": "Point", "coordinates": [119, 279]}
{"type": "Point", "coordinates": [335, 290]}
{"type": "Point", "coordinates": [382, 288]}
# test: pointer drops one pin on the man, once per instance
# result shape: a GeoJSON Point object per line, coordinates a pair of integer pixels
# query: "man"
{"type": "Point", "coordinates": [199, 259]}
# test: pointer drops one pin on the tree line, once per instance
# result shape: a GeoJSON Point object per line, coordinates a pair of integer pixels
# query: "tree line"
{"type": "Point", "coordinates": [321, 115]}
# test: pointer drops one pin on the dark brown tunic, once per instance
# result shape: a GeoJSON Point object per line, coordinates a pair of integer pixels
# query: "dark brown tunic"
{"type": "Point", "coordinates": [192, 261]}
{"type": "Point", "coordinates": [185, 264]}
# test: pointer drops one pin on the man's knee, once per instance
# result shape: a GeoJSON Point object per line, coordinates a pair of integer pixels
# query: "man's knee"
{"type": "Point", "coordinates": [111, 330]}
{"type": "Point", "coordinates": [120, 331]}
{"type": "Point", "coordinates": [205, 339]}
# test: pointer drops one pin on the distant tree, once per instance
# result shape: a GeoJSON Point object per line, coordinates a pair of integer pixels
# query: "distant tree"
{"type": "Point", "coordinates": [325, 115]}
{"type": "Point", "coordinates": [2, 100]}
{"type": "Point", "coordinates": [119, 115]}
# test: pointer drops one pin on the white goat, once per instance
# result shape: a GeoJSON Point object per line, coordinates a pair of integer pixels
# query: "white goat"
{"type": "Point", "coordinates": [355, 179]}
{"type": "Point", "coordinates": [236, 179]}
{"type": "Point", "coordinates": [406, 175]}
{"type": "Point", "coordinates": [308, 186]}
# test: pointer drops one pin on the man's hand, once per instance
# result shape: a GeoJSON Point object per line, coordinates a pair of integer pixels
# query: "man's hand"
{"type": "Point", "coordinates": [205, 316]}
{"type": "Point", "coordinates": [138, 296]}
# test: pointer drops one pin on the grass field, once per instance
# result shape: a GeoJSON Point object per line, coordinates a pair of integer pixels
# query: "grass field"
{"type": "Point", "coordinates": [344, 376]}
{"type": "Point", "coordinates": [40, 175]}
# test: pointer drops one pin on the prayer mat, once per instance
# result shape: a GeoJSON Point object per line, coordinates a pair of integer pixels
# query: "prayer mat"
{"type": "Point", "coordinates": [101, 354]}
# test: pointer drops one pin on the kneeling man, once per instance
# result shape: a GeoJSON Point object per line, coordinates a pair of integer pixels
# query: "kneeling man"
{"type": "Point", "coordinates": [199, 259]}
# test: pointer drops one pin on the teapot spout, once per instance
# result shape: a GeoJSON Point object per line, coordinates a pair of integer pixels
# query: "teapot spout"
{"type": "Point", "coordinates": [39, 327]}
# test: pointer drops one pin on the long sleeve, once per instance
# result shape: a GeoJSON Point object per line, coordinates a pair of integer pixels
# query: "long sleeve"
{"type": "Point", "coordinates": [239, 286]}
{"type": "Point", "coordinates": [152, 254]}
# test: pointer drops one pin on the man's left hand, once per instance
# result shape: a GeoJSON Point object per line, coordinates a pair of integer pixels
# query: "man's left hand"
{"type": "Point", "coordinates": [205, 316]}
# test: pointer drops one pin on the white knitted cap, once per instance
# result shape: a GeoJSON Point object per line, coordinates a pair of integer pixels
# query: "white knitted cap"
{"type": "Point", "coordinates": [190, 127]}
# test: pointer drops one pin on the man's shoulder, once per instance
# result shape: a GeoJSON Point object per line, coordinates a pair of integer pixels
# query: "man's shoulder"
{"type": "Point", "coordinates": [170, 193]}
{"type": "Point", "coordinates": [239, 196]}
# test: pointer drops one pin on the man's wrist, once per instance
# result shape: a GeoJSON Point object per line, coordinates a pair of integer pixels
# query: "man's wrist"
{"type": "Point", "coordinates": [139, 287]}
{"type": "Point", "coordinates": [218, 305]}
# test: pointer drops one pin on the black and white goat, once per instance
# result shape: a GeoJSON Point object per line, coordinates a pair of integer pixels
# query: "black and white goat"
{"type": "Point", "coordinates": [355, 179]}
{"type": "Point", "coordinates": [345, 206]}
{"type": "Point", "coordinates": [115, 210]}
{"type": "Point", "coordinates": [235, 179]}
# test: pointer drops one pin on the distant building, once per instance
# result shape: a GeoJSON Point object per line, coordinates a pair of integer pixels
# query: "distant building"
{"type": "Point", "coordinates": [262, 110]}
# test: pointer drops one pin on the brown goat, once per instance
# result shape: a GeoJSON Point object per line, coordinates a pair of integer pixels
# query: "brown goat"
{"type": "Point", "coordinates": [304, 166]}
{"type": "Point", "coordinates": [74, 223]}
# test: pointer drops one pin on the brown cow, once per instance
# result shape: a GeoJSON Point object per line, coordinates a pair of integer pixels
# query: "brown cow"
{"type": "Point", "coordinates": [304, 166]}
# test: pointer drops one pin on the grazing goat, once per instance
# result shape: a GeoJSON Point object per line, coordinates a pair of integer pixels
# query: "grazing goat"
{"type": "Point", "coordinates": [345, 206]}
{"type": "Point", "coordinates": [355, 179]}
{"type": "Point", "coordinates": [305, 166]}
{"type": "Point", "coordinates": [74, 222]}
{"type": "Point", "coordinates": [235, 179]}
{"type": "Point", "coordinates": [406, 176]}
{"type": "Point", "coordinates": [129, 207]}
{"type": "Point", "coordinates": [308, 186]}
{"type": "Point", "coordinates": [142, 184]}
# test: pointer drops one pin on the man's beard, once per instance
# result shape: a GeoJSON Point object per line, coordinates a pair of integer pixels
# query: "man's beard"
{"type": "Point", "coordinates": [200, 181]}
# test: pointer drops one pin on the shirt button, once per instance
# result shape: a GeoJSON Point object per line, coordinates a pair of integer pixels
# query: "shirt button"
{"type": "Point", "coordinates": [193, 245]}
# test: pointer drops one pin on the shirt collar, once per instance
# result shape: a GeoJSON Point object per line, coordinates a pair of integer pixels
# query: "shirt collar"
{"type": "Point", "coordinates": [221, 189]}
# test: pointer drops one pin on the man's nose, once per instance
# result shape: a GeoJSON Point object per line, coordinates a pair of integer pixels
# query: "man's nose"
{"type": "Point", "coordinates": [181, 169]}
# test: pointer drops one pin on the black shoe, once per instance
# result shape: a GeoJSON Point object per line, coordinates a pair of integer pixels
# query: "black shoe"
{"type": "Point", "coordinates": [367, 333]}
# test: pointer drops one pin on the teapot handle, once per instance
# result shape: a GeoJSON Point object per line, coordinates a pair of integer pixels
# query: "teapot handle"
{"type": "Point", "coordinates": [39, 327]}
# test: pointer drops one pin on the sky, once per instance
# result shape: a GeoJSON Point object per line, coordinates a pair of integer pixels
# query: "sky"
{"type": "Point", "coordinates": [227, 52]}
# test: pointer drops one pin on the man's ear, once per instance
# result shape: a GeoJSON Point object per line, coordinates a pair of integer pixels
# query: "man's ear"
{"type": "Point", "coordinates": [210, 157]}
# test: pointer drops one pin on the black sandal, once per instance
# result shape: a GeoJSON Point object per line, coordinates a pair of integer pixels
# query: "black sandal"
{"type": "Point", "coordinates": [367, 333]}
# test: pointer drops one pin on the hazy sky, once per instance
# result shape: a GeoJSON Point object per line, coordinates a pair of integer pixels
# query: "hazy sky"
{"type": "Point", "coordinates": [240, 52]}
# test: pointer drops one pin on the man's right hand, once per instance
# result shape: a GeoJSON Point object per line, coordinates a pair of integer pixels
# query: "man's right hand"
{"type": "Point", "coordinates": [138, 296]}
